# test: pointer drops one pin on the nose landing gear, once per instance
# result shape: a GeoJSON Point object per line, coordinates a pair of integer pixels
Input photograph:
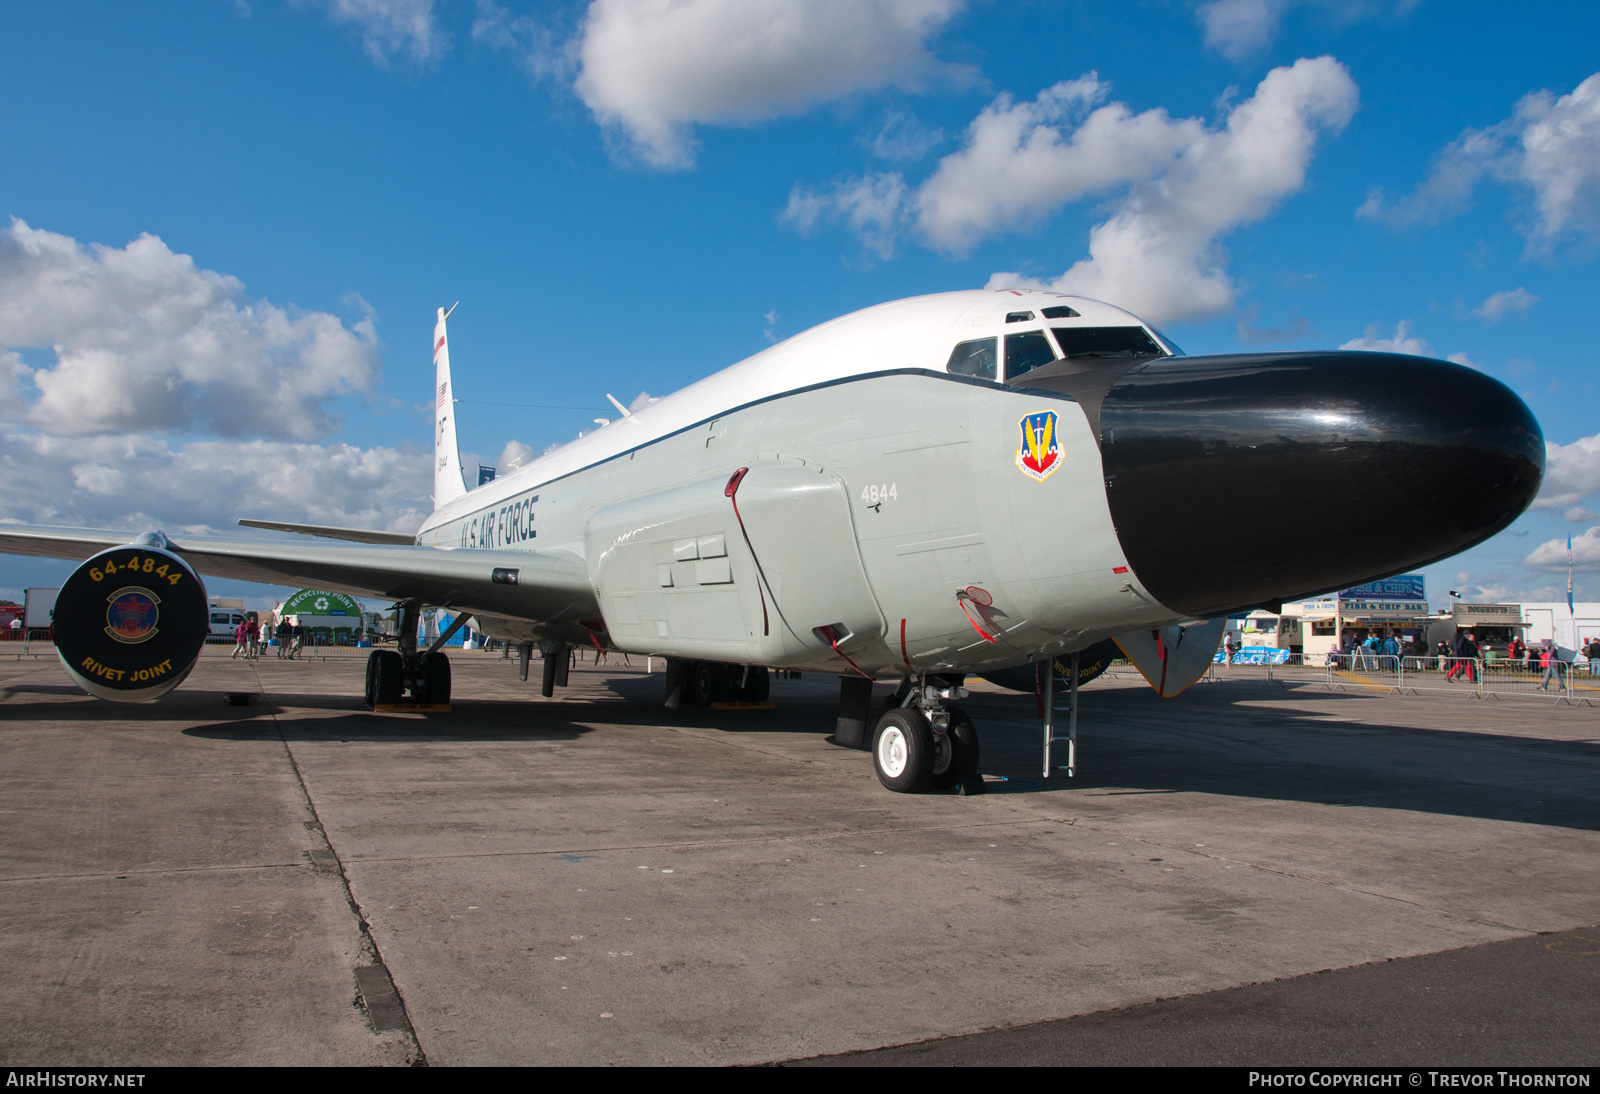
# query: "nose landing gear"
{"type": "Point", "coordinates": [919, 742]}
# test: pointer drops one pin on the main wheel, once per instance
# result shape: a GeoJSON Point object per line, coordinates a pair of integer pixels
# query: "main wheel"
{"type": "Point", "coordinates": [757, 685]}
{"type": "Point", "coordinates": [388, 677]}
{"type": "Point", "coordinates": [955, 755]}
{"type": "Point", "coordinates": [711, 683]}
{"type": "Point", "coordinates": [902, 750]}
{"type": "Point", "coordinates": [369, 694]}
{"type": "Point", "coordinates": [435, 680]}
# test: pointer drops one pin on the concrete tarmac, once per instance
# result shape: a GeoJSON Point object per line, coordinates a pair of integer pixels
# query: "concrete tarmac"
{"type": "Point", "coordinates": [593, 880]}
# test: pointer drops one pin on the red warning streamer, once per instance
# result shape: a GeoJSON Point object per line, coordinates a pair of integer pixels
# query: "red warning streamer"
{"type": "Point", "coordinates": [729, 492]}
{"type": "Point", "coordinates": [980, 597]}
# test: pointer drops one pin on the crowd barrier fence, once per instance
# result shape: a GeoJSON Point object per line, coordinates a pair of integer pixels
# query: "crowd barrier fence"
{"type": "Point", "coordinates": [1567, 682]}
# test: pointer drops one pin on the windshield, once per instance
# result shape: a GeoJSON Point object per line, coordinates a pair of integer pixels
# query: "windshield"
{"type": "Point", "coordinates": [1106, 342]}
{"type": "Point", "coordinates": [1026, 352]}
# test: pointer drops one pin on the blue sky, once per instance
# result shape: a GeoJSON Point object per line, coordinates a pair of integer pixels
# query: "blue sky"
{"type": "Point", "coordinates": [229, 223]}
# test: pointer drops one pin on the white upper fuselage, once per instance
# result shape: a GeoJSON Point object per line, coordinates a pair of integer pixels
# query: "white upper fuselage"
{"type": "Point", "coordinates": [916, 333]}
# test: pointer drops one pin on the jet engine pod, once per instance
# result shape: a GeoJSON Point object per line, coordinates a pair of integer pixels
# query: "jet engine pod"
{"type": "Point", "coordinates": [1091, 663]}
{"type": "Point", "coordinates": [130, 623]}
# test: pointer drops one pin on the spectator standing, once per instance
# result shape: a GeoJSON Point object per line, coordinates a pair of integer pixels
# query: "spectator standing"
{"type": "Point", "coordinates": [241, 639]}
{"type": "Point", "coordinates": [1458, 658]}
{"type": "Point", "coordinates": [1550, 661]}
{"type": "Point", "coordinates": [285, 632]}
{"type": "Point", "coordinates": [299, 637]}
{"type": "Point", "coordinates": [254, 639]}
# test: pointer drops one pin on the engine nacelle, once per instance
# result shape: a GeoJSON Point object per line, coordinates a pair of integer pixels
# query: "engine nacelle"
{"type": "Point", "coordinates": [1091, 663]}
{"type": "Point", "coordinates": [130, 622]}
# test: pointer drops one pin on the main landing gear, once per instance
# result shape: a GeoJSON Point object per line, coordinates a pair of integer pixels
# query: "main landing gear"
{"type": "Point", "coordinates": [918, 741]}
{"type": "Point", "coordinates": [705, 682]}
{"type": "Point", "coordinates": [391, 673]}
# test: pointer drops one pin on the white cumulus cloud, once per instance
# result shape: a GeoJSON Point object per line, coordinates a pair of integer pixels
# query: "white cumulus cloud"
{"type": "Point", "coordinates": [144, 339]}
{"type": "Point", "coordinates": [1184, 185]}
{"type": "Point", "coordinates": [538, 48]}
{"type": "Point", "coordinates": [389, 27]}
{"type": "Point", "coordinates": [1549, 147]}
{"type": "Point", "coordinates": [1551, 555]}
{"type": "Point", "coordinates": [140, 482]}
{"type": "Point", "coordinates": [513, 456]}
{"type": "Point", "coordinates": [1402, 342]}
{"type": "Point", "coordinates": [873, 206]}
{"type": "Point", "coordinates": [1238, 28]}
{"type": "Point", "coordinates": [651, 70]}
{"type": "Point", "coordinates": [1023, 161]}
{"type": "Point", "coordinates": [1241, 29]}
{"type": "Point", "coordinates": [1158, 254]}
{"type": "Point", "coordinates": [1498, 304]}
{"type": "Point", "coordinates": [1571, 473]}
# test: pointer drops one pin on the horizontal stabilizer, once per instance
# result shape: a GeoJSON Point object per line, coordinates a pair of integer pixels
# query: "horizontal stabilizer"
{"type": "Point", "coordinates": [1172, 658]}
{"type": "Point", "coordinates": [354, 535]}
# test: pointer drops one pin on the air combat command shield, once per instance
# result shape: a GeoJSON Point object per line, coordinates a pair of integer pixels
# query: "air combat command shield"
{"type": "Point", "coordinates": [1040, 453]}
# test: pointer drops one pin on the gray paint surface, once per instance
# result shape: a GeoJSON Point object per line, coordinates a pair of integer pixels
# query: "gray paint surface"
{"type": "Point", "coordinates": [926, 467]}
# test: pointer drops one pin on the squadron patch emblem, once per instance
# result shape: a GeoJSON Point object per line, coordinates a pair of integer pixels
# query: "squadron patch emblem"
{"type": "Point", "coordinates": [131, 614]}
{"type": "Point", "coordinates": [1040, 453]}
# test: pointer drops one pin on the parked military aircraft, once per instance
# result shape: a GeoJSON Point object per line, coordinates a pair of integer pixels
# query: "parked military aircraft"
{"type": "Point", "coordinates": [947, 485]}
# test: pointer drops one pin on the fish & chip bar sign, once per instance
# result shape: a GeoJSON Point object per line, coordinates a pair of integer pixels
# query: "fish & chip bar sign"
{"type": "Point", "coordinates": [1404, 593]}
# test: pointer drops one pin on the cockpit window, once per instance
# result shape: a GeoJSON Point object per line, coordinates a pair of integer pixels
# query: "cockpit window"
{"type": "Point", "coordinates": [976, 358]}
{"type": "Point", "coordinates": [1018, 316]}
{"type": "Point", "coordinates": [1106, 342]}
{"type": "Point", "coordinates": [1026, 352]}
{"type": "Point", "coordinates": [1061, 312]}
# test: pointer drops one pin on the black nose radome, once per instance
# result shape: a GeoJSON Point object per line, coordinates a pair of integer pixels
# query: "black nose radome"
{"type": "Point", "coordinates": [1242, 480]}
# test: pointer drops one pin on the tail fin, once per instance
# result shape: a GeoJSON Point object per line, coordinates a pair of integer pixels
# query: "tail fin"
{"type": "Point", "coordinates": [448, 482]}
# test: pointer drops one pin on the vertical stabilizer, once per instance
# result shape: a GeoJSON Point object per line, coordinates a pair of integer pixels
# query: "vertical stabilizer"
{"type": "Point", "coordinates": [448, 482]}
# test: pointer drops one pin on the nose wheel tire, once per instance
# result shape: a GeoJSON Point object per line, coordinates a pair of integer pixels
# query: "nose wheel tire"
{"type": "Point", "coordinates": [955, 755]}
{"type": "Point", "coordinates": [903, 751]}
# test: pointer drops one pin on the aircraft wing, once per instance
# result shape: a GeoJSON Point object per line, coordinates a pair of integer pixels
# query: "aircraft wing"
{"type": "Point", "coordinates": [534, 585]}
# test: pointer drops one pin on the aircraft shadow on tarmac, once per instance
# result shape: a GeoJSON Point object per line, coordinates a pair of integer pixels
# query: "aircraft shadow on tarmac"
{"type": "Point", "coordinates": [1220, 739]}
{"type": "Point", "coordinates": [1131, 741]}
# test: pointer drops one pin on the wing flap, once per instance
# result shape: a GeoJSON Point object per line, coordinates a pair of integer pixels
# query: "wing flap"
{"type": "Point", "coordinates": [353, 535]}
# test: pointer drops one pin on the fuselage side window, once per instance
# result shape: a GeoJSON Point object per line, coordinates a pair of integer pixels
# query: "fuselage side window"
{"type": "Point", "coordinates": [1107, 342]}
{"type": "Point", "coordinates": [1026, 352]}
{"type": "Point", "coordinates": [976, 358]}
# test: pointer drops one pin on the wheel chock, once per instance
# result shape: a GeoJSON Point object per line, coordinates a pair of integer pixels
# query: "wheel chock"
{"type": "Point", "coordinates": [969, 784]}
